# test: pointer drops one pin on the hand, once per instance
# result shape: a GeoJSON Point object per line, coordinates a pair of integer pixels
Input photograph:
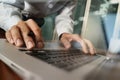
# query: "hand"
{"type": "Point", "coordinates": [87, 46]}
{"type": "Point", "coordinates": [19, 34]}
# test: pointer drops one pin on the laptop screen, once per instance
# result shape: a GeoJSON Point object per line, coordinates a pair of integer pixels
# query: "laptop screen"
{"type": "Point", "coordinates": [99, 22]}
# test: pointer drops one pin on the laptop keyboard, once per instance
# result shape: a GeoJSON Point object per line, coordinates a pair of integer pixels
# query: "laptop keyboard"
{"type": "Point", "coordinates": [65, 59]}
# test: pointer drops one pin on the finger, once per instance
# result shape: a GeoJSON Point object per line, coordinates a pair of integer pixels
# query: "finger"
{"type": "Point", "coordinates": [79, 39]}
{"type": "Point", "coordinates": [90, 46]}
{"type": "Point", "coordinates": [15, 33]}
{"type": "Point", "coordinates": [37, 32]}
{"type": "Point", "coordinates": [84, 46]}
{"type": "Point", "coordinates": [9, 37]}
{"type": "Point", "coordinates": [66, 43]}
{"type": "Point", "coordinates": [25, 31]}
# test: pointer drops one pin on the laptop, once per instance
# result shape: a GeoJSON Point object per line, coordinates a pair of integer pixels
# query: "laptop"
{"type": "Point", "coordinates": [53, 62]}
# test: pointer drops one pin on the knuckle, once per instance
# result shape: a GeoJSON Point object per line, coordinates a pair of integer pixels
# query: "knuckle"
{"type": "Point", "coordinates": [14, 28]}
{"type": "Point", "coordinates": [30, 20]}
{"type": "Point", "coordinates": [36, 29]}
{"type": "Point", "coordinates": [21, 22]}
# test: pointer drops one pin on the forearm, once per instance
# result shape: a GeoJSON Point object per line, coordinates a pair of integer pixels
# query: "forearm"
{"type": "Point", "coordinates": [64, 21]}
{"type": "Point", "coordinates": [9, 16]}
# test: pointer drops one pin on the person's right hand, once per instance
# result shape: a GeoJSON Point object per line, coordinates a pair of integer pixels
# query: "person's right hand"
{"type": "Point", "coordinates": [86, 45]}
{"type": "Point", "coordinates": [19, 34]}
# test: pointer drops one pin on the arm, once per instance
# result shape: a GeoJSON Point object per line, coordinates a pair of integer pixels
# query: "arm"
{"type": "Point", "coordinates": [17, 30]}
{"type": "Point", "coordinates": [64, 22]}
{"type": "Point", "coordinates": [9, 16]}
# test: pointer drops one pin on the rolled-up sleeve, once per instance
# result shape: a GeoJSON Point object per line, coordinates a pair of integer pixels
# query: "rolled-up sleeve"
{"type": "Point", "coordinates": [64, 21]}
{"type": "Point", "coordinates": [9, 16]}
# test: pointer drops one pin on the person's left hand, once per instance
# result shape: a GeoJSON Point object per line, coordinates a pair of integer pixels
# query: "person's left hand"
{"type": "Point", "coordinates": [86, 45]}
{"type": "Point", "coordinates": [26, 33]}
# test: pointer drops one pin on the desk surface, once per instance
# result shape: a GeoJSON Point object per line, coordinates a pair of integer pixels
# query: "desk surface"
{"type": "Point", "coordinates": [6, 73]}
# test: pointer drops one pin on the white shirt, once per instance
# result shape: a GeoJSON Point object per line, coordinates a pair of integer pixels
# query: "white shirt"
{"type": "Point", "coordinates": [11, 15]}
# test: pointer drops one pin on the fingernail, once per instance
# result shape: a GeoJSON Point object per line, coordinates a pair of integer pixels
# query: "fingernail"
{"type": "Point", "coordinates": [29, 45]}
{"type": "Point", "coordinates": [18, 42]}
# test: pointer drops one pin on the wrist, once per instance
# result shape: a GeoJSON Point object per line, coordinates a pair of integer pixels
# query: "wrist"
{"type": "Point", "coordinates": [63, 34]}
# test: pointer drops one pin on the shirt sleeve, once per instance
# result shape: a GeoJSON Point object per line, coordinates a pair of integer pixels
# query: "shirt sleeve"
{"type": "Point", "coordinates": [64, 21]}
{"type": "Point", "coordinates": [9, 16]}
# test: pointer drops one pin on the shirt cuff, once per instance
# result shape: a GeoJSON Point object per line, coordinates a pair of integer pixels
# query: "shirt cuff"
{"type": "Point", "coordinates": [64, 29]}
{"type": "Point", "coordinates": [10, 22]}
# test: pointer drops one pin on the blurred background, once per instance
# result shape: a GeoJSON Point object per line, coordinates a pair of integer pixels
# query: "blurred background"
{"type": "Point", "coordinates": [97, 25]}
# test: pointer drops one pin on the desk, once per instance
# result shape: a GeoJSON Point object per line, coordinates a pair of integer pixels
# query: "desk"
{"type": "Point", "coordinates": [2, 33]}
{"type": "Point", "coordinates": [5, 72]}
